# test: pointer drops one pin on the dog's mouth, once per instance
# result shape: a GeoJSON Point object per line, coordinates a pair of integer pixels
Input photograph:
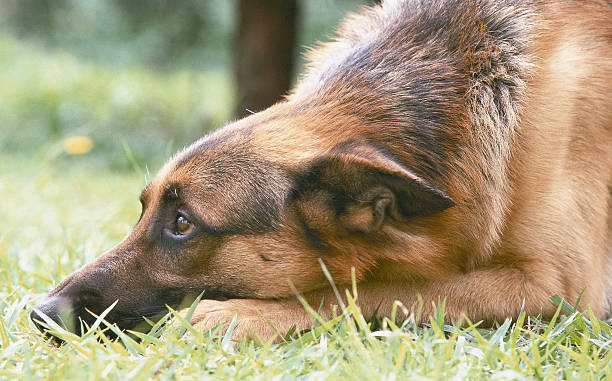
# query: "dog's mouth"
{"type": "Point", "coordinates": [139, 320]}
{"type": "Point", "coordinates": [77, 319]}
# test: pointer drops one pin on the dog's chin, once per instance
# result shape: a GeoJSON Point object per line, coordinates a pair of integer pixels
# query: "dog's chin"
{"type": "Point", "coordinates": [142, 320]}
{"type": "Point", "coordinates": [139, 321]}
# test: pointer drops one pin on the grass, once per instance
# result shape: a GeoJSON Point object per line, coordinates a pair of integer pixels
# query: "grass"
{"type": "Point", "coordinates": [59, 212]}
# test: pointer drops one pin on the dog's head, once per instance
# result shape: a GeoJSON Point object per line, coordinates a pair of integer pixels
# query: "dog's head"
{"type": "Point", "coordinates": [247, 213]}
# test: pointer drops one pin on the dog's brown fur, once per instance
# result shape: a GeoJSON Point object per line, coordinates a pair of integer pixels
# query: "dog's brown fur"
{"type": "Point", "coordinates": [454, 149]}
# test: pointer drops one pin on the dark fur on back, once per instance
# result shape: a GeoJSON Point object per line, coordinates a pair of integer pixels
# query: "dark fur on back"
{"type": "Point", "coordinates": [441, 53]}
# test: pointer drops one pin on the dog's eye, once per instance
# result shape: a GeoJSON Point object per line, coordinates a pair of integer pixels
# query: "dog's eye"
{"type": "Point", "coordinates": [182, 226]}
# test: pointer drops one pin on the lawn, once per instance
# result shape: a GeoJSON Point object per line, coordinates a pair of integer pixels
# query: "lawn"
{"type": "Point", "coordinates": [60, 211]}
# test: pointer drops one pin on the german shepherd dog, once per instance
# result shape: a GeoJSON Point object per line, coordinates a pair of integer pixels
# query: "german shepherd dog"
{"type": "Point", "coordinates": [438, 149]}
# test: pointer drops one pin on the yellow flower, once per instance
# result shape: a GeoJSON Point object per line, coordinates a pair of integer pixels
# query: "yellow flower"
{"type": "Point", "coordinates": [77, 145]}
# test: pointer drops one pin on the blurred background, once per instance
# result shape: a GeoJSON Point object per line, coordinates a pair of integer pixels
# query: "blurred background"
{"type": "Point", "coordinates": [136, 80]}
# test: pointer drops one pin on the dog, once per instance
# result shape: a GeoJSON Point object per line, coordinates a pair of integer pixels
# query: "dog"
{"type": "Point", "coordinates": [440, 149]}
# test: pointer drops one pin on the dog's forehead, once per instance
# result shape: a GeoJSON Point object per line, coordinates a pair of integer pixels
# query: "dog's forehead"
{"type": "Point", "coordinates": [226, 182]}
{"type": "Point", "coordinates": [221, 159]}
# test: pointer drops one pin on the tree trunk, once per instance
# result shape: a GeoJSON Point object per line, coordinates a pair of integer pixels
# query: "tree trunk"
{"type": "Point", "coordinates": [264, 52]}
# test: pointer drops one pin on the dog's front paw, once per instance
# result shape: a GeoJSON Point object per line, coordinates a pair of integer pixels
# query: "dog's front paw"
{"type": "Point", "coordinates": [259, 320]}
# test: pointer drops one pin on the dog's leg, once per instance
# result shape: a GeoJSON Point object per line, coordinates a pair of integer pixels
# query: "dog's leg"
{"type": "Point", "coordinates": [257, 319]}
{"type": "Point", "coordinates": [480, 295]}
{"type": "Point", "coordinates": [488, 295]}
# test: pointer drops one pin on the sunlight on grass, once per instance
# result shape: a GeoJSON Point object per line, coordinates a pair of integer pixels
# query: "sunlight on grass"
{"type": "Point", "coordinates": [78, 145]}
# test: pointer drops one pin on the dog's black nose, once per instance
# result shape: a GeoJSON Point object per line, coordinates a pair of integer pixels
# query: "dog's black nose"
{"type": "Point", "coordinates": [58, 309]}
{"type": "Point", "coordinates": [37, 319]}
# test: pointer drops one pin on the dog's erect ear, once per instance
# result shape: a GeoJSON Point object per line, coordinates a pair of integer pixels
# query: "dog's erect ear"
{"type": "Point", "coordinates": [363, 186]}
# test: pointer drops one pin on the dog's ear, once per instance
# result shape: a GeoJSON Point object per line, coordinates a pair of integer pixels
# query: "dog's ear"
{"type": "Point", "coordinates": [361, 186]}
